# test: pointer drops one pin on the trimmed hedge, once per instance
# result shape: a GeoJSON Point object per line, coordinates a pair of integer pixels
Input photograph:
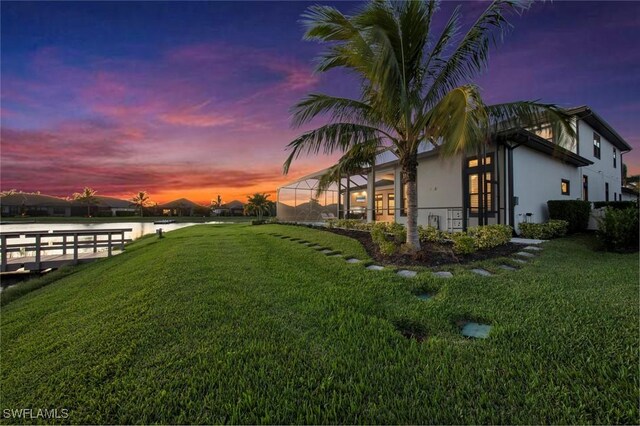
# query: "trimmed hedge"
{"type": "Point", "coordinates": [544, 231]}
{"type": "Point", "coordinates": [618, 229]}
{"type": "Point", "coordinates": [575, 212]}
{"type": "Point", "coordinates": [490, 236]}
{"type": "Point", "coordinates": [620, 205]}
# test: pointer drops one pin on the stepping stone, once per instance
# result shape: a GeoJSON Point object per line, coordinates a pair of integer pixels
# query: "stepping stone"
{"type": "Point", "coordinates": [532, 248]}
{"type": "Point", "coordinates": [519, 260]}
{"type": "Point", "coordinates": [353, 260]}
{"type": "Point", "coordinates": [424, 296]}
{"type": "Point", "coordinates": [326, 251]}
{"type": "Point", "coordinates": [407, 274]}
{"type": "Point", "coordinates": [475, 330]}
{"type": "Point", "coordinates": [482, 272]}
{"type": "Point", "coordinates": [527, 241]}
{"type": "Point", "coordinates": [443, 274]}
{"type": "Point", "coordinates": [524, 254]}
{"type": "Point", "coordinates": [335, 255]}
{"type": "Point", "coordinates": [375, 267]}
{"type": "Point", "coordinates": [508, 268]}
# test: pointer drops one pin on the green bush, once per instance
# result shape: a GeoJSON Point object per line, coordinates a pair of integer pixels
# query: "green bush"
{"type": "Point", "coordinates": [544, 231]}
{"type": "Point", "coordinates": [348, 224]}
{"type": "Point", "coordinates": [379, 236]}
{"type": "Point", "coordinates": [575, 212]}
{"type": "Point", "coordinates": [463, 243]}
{"type": "Point", "coordinates": [431, 234]}
{"type": "Point", "coordinates": [618, 229]}
{"type": "Point", "coordinates": [490, 236]}
{"type": "Point", "coordinates": [258, 222]}
{"type": "Point", "coordinates": [620, 205]}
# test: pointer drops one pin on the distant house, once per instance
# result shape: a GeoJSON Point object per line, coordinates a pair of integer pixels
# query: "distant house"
{"type": "Point", "coordinates": [232, 208]}
{"type": "Point", "coordinates": [180, 207]}
{"type": "Point", "coordinates": [22, 204]}
{"type": "Point", "coordinates": [114, 206]}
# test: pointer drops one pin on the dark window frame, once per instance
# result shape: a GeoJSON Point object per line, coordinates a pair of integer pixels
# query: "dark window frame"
{"type": "Point", "coordinates": [391, 198]}
{"type": "Point", "coordinates": [606, 192]}
{"type": "Point", "coordinates": [615, 158]}
{"type": "Point", "coordinates": [568, 183]}
{"type": "Point", "coordinates": [585, 187]}
{"type": "Point", "coordinates": [378, 197]}
{"type": "Point", "coordinates": [478, 170]}
{"type": "Point", "coordinates": [597, 143]}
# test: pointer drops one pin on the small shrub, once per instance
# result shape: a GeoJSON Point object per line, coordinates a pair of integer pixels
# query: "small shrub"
{"type": "Point", "coordinates": [544, 231]}
{"type": "Point", "coordinates": [387, 236]}
{"type": "Point", "coordinates": [258, 222]}
{"type": "Point", "coordinates": [490, 236]}
{"type": "Point", "coordinates": [463, 243]}
{"type": "Point", "coordinates": [575, 212]}
{"type": "Point", "coordinates": [618, 229]}
{"type": "Point", "coordinates": [273, 220]}
{"type": "Point", "coordinates": [431, 234]}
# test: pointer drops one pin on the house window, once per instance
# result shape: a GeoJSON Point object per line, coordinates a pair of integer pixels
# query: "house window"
{"type": "Point", "coordinates": [378, 204]}
{"type": "Point", "coordinates": [596, 145]}
{"type": "Point", "coordinates": [615, 196]}
{"type": "Point", "coordinates": [615, 158]}
{"type": "Point", "coordinates": [480, 186]}
{"type": "Point", "coordinates": [565, 187]}
{"type": "Point", "coordinates": [585, 187]}
{"type": "Point", "coordinates": [391, 204]}
{"type": "Point", "coordinates": [606, 191]}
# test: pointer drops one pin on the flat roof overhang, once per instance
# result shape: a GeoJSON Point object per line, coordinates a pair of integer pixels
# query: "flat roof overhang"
{"type": "Point", "coordinates": [535, 142]}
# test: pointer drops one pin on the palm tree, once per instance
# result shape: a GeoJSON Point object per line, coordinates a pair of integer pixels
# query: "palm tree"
{"type": "Point", "coordinates": [141, 200]}
{"type": "Point", "coordinates": [414, 90]}
{"type": "Point", "coordinates": [88, 197]}
{"type": "Point", "coordinates": [258, 204]}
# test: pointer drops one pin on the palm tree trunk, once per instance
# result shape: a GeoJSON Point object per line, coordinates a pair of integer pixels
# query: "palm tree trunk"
{"type": "Point", "coordinates": [409, 178]}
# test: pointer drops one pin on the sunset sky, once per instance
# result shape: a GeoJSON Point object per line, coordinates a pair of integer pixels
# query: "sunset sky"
{"type": "Point", "coordinates": [191, 99]}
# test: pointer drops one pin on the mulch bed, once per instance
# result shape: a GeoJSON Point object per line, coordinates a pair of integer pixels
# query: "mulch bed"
{"type": "Point", "coordinates": [429, 255]}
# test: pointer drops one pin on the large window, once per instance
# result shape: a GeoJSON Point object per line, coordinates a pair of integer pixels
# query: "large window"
{"type": "Point", "coordinates": [596, 145]}
{"type": "Point", "coordinates": [378, 204]}
{"type": "Point", "coordinates": [565, 187]}
{"type": "Point", "coordinates": [391, 204]}
{"type": "Point", "coordinates": [480, 181]}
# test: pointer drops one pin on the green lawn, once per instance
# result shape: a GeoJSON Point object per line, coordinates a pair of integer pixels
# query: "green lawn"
{"type": "Point", "coordinates": [226, 323]}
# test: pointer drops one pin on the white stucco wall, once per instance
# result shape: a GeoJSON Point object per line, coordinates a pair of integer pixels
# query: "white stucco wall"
{"type": "Point", "coordinates": [537, 179]}
{"type": "Point", "coordinates": [602, 170]}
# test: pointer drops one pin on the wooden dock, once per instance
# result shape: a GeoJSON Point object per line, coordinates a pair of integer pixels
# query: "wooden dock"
{"type": "Point", "coordinates": [70, 247]}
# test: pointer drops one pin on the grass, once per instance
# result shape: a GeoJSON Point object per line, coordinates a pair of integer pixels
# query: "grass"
{"type": "Point", "coordinates": [218, 324]}
{"type": "Point", "coordinates": [112, 219]}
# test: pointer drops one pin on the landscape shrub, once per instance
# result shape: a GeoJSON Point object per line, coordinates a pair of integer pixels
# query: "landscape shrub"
{"type": "Point", "coordinates": [379, 236]}
{"type": "Point", "coordinates": [431, 234]}
{"type": "Point", "coordinates": [258, 222]}
{"type": "Point", "coordinates": [348, 224]}
{"type": "Point", "coordinates": [490, 236]}
{"type": "Point", "coordinates": [575, 212]}
{"type": "Point", "coordinates": [463, 243]}
{"type": "Point", "coordinates": [120, 213]}
{"type": "Point", "coordinates": [620, 205]}
{"type": "Point", "coordinates": [618, 229]}
{"type": "Point", "coordinates": [544, 231]}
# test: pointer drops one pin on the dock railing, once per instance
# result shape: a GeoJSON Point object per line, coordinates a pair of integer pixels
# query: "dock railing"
{"type": "Point", "coordinates": [64, 241]}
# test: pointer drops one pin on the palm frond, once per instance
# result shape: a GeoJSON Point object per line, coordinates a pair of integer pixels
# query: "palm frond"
{"type": "Point", "coordinates": [330, 138]}
{"type": "Point", "coordinates": [353, 161]}
{"type": "Point", "coordinates": [471, 55]}
{"type": "Point", "coordinates": [533, 116]}
{"type": "Point", "coordinates": [338, 110]}
{"type": "Point", "coordinates": [459, 122]}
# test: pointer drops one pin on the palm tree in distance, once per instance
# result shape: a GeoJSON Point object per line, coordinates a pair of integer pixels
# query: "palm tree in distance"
{"type": "Point", "coordinates": [141, 200]}
{"type": "Point", "coordinates": [88, 197]}
{"type": "Point", "coordinates": [258, 204]}
{"type": "Point", "coordinates": [415, 90]}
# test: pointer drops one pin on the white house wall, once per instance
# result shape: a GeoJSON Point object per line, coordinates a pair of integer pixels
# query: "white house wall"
{"type": "Point", "coordinates": [537, 179]}
{"type": "Point", "coordinates": [602, 170]}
